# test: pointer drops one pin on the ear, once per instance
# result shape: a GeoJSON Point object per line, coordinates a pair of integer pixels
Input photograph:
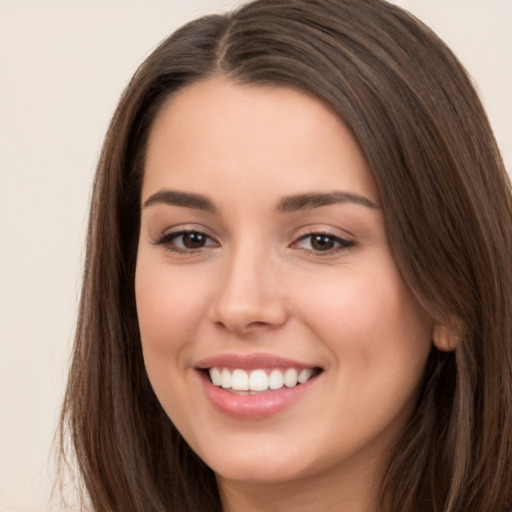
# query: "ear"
{"type": "Point", "coordinates": [444, 338]}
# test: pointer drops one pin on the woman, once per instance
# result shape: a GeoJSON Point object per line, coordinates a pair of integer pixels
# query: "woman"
{"type": "Point", "coordinates": [297, 290]}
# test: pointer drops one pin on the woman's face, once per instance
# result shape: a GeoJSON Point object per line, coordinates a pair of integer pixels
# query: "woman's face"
{"type": "Point", "coordinates": [263, 257]}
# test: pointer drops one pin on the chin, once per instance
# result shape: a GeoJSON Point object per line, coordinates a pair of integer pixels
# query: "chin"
{"type": "Point", "coordinates": [260, 462]}
{"type": "Point", "coordinates": [261, 472]}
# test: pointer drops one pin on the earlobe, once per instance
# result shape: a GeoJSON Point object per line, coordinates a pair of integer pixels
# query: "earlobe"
{"type": "Point", "coordinates": [444, 338]}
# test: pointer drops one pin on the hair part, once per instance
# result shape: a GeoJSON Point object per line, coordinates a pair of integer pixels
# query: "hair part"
{"type": "Point", "coordinates": [446, 196]}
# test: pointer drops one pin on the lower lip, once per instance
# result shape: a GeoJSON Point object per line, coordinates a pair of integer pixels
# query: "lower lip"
{"type": "Point", "coordinates": [256, 406]}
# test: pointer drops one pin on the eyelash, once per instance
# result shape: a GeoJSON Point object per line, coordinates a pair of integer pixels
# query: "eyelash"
{"type": "Point", "coordinates": [342, 243]}
{"type": "Point", "coordinates": [168, 240]}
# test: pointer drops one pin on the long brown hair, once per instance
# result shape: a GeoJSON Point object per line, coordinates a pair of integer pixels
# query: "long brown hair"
{"type": "Point", "coordinates": [448, 208]}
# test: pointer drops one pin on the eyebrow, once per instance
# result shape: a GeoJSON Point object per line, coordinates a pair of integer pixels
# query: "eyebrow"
{"type": "Point", "coordinates": [183, 199]}
{"type": "Point", "coordinates": [287, 204]}
{"type": "Point", "coordinates": [316, 200]}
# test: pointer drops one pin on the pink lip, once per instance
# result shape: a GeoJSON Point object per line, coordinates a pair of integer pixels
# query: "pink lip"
{"type": "Point", "coordinates": [246, 406]}
{"type": "Point", "coordinates": [257, 406]}
{"type": "Point", "coordinates": [250, 362]}
{"type": "Point", "coordinates": [261, 405]}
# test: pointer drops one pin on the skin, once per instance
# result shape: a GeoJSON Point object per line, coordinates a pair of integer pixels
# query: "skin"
{"type": "Point", "coordinates": [259, 285]}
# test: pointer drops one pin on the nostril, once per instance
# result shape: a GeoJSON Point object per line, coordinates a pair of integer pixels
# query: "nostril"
{"type": "Point", "coordinates": [246, 306]}
{"type": "Point", "coordinates": [258, 324]}
{"type": "Point", "coordinates": [244, 329]}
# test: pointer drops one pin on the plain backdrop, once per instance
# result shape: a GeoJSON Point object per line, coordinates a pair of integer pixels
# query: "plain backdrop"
{"type": "Point", "coordinates": [63, 65]}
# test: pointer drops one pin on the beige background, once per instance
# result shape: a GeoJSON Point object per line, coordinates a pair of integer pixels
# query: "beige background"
{"type": "Point", "coordinates": [63, 65]}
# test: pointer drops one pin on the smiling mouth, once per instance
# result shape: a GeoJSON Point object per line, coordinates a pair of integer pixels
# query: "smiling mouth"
{"type": "Point", "coordinates": [259, 380]}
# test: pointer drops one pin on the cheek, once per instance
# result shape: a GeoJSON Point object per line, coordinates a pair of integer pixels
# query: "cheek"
{"type": "Point", "coordinates": [379, 339]}
{"type": "Point", "coordinates": [169, 305]}
{"type": "Point", "coordinates": [168, 311]}
{"type": "Point", "coordinates": [370, 318]}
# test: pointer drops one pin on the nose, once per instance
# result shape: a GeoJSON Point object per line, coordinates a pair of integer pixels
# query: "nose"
{"type": "Point", "coordinates": [249, 296]}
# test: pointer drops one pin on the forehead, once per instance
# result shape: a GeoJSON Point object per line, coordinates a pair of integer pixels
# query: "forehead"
{"type": "Point", "coordinates": [252, 136]}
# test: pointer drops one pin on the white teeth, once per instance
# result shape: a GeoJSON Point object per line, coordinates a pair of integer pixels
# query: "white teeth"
{"type": "Point", "coordinates": [215, 375]}
{"type": "Point", "coordinates": [290, 377]}
{"type": "Point", "coordinates": [258, 380]}
{"type": "Point", "coordinates": [275, 380]}
{"type": "Point", "coordinates": [225, 379]}
{"type": "Point", "coordinates": [240, 380]}
{"type": "Point", "coordinates": [305, 375]}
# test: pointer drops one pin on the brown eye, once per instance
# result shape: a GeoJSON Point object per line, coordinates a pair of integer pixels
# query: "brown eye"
{"type": "Point", "coordinates": [322, 243]}
{"type": "Point", "coordinates": [186, 241]}
{"type": "Point", "coordinates": [193, 240]}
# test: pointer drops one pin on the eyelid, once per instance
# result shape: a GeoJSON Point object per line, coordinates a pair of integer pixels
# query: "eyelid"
{"type": "Point", "coordinates": [343, 242]}
{"type": "Point", "coordinates": [166, 238]}
{"type": "Point", "coordinates": [176, 234]}
{"type": "Point", "coordinates": [178, 228]}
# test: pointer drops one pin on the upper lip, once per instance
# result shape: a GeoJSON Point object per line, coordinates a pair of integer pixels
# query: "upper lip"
{"type": "Point", "coordinates": [251, 362]}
